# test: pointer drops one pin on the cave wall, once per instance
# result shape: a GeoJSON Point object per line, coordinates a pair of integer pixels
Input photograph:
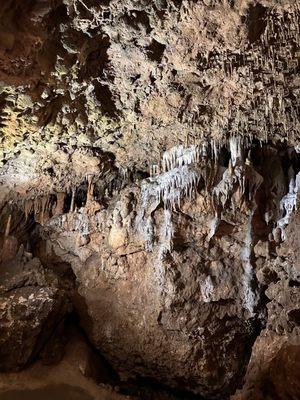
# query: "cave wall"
{"type": "Point", "coordinates": [144, 75]}
{"type": "Point", "coordinates": [149, 179]}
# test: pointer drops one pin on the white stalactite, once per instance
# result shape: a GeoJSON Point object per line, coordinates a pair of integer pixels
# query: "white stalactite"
{"type": "Point", "coordinates": [179, 156]}
{"type": "Point", "coordinates": [72, 207]}
{"type": "Point", "coordinates": [288, 204]}
{"type": "Point", "coordinates": [235, 145]}
{"type": "Point", "coordinates": [170, 187]}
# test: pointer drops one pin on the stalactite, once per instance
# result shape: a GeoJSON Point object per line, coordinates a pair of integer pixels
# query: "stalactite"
{"type": "Point", "coordinates": [180, 178]}
{"type": "Point", "coordinates": [235, 144]}
{"type": "Point", "coordinates": [28, 208]}
{"type": "Point", "coordinates": [124, 173]}
{"type": "Point", "coordinates": [72, 206]}
{"type": "Point", "coordinates": [180, 156]}
{"type": "Point", "coordinates": [253, 180]}
{"type": "Point", "coordinates": [8, 224]}
{"type": "Point", "coordinates": [60, 200]}
{"type": "Point", "coordinates": [174, 185]}
{"type": "Point", "coordinates": [90, 191]}
{"type": "Point", "coordinates": [288, 204]}
{"type": "Point", "coordinates": [44, 214]}
{"type": "Point", "coordinates": [225, 187]}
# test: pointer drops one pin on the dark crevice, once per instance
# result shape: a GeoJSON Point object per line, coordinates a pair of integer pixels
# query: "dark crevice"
{"type": "Point", "coordinates": [138, 20]}
{"type": "Point", "coordinates": [155, 51]}
{"type": "Point", "coordinates": [94, 58]}
{"type": "Point", "coordinates": [256, 21]}
{"type": "Point", "coordinates": [294, 316]}
{"type": "Point", "coordinates": [106, 99]}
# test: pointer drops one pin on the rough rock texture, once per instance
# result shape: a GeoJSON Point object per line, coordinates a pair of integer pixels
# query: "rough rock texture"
{"type": "Point", "coordinates": [122, 75]}
{"type": "Point", "coordinates": [149, 180]}
{"type": "Point", "coordinates": [273, 371]}
{"type": "Point", "coordinates": [33, 308]}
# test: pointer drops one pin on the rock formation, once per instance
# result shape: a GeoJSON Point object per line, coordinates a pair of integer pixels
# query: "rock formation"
{"type": "Point", "coordinates": [150, 168]}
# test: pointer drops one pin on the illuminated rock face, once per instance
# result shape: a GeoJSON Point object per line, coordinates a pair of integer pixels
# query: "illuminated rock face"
{"type": "Point", "coordinates": [149, 183]}
{"type": "Point", "coordinates": [138, 77]}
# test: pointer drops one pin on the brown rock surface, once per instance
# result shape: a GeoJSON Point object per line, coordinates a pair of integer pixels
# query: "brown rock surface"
{"type": "Point", "coordinates": [149, 177]}
{"type": "Point", "coordinates": [69, 379]}
{"type": "Point", "coordinates": [33, 308]}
